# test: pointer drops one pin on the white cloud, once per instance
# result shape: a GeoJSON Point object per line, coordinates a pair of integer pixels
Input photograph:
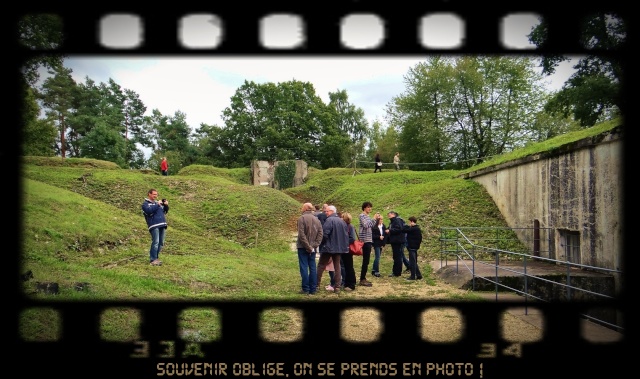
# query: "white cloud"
{"type": "Point", "coordinates": [202, 87]}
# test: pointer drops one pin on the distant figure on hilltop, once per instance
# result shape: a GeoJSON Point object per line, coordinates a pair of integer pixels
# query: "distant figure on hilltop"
{"type": "Point", "coordinates": [164, 166]}
{"type": "Point", "coordinates": [396, 160]}
{"type": "Point", "coordinates": [378, 163]}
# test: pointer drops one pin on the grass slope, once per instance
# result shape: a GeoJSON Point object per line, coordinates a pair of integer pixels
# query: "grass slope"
{"type": "Point", "coordinates": [229, 240]}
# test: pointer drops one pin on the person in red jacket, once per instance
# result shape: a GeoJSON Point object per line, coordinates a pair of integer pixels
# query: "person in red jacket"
{"type": "Point", "coordinates": [164, 166]}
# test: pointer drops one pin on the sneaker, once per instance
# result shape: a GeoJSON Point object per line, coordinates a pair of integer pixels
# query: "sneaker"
{"type": "Point", "coordinates": [330, 288]}
{"type": "Point", "coordinates": [348, 289]}
{"type": "Point", "coordinates": [366, 283]}
{"type": "Point", "coordinates": [156, 263]}
{"type": "Point", "coordinates": [376, 274]}
{"type": "Point", "coordinates": [411, 278]}
{"type": "Point", "coordinates": [336, 290]}
{"type": "Point", "coordinates": [303, 292]}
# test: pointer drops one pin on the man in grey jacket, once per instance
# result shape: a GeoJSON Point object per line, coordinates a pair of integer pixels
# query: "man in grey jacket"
{"type": "Point", "coordinates": [335, 241]}
{"type": "Point", "coordinates": [309, 238]}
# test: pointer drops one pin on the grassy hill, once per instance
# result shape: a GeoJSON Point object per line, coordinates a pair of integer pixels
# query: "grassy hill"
{"type": "Point", "coordinates": [82, 227]}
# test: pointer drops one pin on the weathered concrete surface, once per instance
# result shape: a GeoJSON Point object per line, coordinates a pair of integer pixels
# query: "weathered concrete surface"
{"type": "Point", "coordinates": [263, 173]}
{"type": "Point", "coordinates": [576, 188]}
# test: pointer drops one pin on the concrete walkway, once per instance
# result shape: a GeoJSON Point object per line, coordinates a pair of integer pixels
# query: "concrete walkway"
{"type": "Point", "coordinates": [460, 276]}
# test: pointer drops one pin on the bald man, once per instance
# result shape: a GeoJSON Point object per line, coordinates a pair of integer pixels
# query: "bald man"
{"type": "Point", "coordinates": [309, 238]}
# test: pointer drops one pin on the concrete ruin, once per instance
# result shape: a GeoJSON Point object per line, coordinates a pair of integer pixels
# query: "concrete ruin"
{"type": "Point", "coordinates": [263, 173]}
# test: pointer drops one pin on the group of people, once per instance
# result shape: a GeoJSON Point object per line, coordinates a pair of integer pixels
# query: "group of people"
{"type": "Point", "coordinates": [378, 160]}
{"type": "Point", "coordinates": [329, 233]}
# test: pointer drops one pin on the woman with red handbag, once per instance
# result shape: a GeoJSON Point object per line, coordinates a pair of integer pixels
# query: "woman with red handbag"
{"type": "Point", "coordinates": [348, 272]}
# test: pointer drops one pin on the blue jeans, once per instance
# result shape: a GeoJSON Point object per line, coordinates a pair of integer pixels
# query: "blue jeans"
{"type": "Point", "coordinates": [157, 242]}
{"type": "Point", "coordinates": [307, 263]}
{"type": "Point", "coordinates": [405, 261]}
{"type": "Point", "coordinates": [377, 250]}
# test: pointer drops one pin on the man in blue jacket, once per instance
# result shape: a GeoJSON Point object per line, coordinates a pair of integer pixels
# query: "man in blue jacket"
{"type": "Point", "coordinates": [335, 242]}
{"type": "Point", "coordinates": [154, 211]}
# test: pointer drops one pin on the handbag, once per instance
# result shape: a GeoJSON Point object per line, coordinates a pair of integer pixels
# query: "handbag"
{"type": "Point", "coordinates": [355, 248]}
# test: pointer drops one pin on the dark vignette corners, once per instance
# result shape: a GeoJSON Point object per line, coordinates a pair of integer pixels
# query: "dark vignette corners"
{"type": "Point", "coordinates": [561, 348]}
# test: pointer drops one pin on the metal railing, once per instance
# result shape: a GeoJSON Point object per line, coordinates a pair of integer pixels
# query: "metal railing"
{"type": "Point", "coordinates": [489, 247]}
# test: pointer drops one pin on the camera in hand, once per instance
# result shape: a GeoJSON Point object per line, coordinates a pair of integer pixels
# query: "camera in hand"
{"type": "Point", "coordinates": [164, 201]}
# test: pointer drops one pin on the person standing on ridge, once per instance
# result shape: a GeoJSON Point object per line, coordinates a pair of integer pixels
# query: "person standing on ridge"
{"type": "Point", "coordinates": [378, 163]}
{"type": "Point", "coordinates": [164, 166]}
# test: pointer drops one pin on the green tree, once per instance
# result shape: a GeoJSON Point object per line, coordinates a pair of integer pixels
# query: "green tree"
{"type": "Point", "coordinates": [111, 107]}
{"type": "Point", "coordinates": [548, 125]}
{"type": "Point", "coordinates": [466, 109]}
{"type": "Point", "coordinates": [423, 113]}
{"type": "Point", "coordinates": [384, 140]}
{"type": "Point", "coordinates": [173, 136]}
{"type": "Point", "coordinates": [37, 32]}
{"type": "Point", "coordinates": [38, 135]}
{"type": "Point", "coordinates": [40, 32]}
{"type": "Point", "coordinates": [350, 121]}
{"type": "Point", "coordinates": [593, 93]}
{"type": "Point", "coordinates": [58, 95]}
{"type": "Point", "coordinates": [275, 122]}
{"type": "Point", "coordinates": [105, 143]}
{"type": "Point", "coordinates": [208, 141]}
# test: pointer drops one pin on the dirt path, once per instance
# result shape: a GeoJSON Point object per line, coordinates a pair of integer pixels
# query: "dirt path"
{"type": "Point", "coordinates": [438, 325]}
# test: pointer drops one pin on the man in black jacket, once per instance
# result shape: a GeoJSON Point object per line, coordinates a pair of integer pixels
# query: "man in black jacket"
{"type": "Point", "coordinates": [414, 239]}
{"type": "Point", "coordinates": [396, 239]}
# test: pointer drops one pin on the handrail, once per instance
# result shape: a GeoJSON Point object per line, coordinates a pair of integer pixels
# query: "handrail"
{"type": "Point", "coordinates": [463, 248]}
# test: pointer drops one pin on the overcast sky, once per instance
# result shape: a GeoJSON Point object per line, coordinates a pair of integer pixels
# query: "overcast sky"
{"type": "Point", "coordinates": [202, 87]}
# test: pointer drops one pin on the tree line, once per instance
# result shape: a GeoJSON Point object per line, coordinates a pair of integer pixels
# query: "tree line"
{"type": "Point", "coordinates": [457, 111]}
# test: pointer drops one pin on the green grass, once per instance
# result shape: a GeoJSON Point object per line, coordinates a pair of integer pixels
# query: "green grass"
{"type": "Point", "coordinates": [547, 146]}
{"type": "Point", "coordinates": [227, 239]}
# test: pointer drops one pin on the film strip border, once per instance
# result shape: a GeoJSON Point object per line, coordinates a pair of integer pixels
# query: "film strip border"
{"type": "Point", "coordinates": [80, 351]}
{"type": "Point", "coordinates": [241, 346]}
{"type": "Point", "coordinates": [318, 29]}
